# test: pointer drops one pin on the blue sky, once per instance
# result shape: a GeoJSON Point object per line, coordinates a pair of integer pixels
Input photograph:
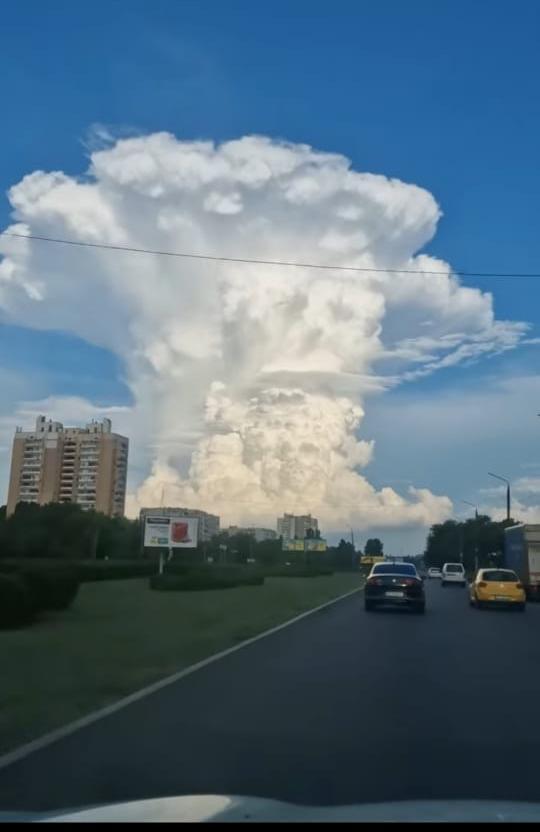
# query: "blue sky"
{"type": "Point", "coordinates": [443, 95]}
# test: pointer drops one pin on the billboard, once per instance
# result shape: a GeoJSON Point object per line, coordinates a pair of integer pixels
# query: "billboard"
{"type": "Point", "coordinates": [315, 544]}
{"type": "Point", "coordinates": [293, 545]}
{"type": "Point", "coordinates": [309, 544]}
{"type": "Point", "coordinates": [171, 532]}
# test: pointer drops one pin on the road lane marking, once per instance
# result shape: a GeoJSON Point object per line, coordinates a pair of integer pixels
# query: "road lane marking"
{"type": "Point", "coordinates": [53, 736]}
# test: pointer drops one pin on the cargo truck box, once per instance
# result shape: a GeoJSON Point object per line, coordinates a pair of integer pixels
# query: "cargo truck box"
{"type": "Point", "coordinates": [522, 554]}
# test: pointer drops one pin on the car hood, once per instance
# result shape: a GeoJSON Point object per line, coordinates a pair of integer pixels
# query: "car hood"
{"type": "Point", "coordinates": [224, 808]}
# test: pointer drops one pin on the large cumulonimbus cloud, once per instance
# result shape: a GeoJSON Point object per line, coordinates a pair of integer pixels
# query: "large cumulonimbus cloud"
{"type": "Point", "coordinates": [248, 380]}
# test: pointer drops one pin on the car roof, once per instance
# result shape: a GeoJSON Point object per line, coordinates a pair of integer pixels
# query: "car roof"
{"type": "Point", "coordinates": [389, 567]}
{"type": "Point", "coordinates": [495, 569]}
{"type": "Point", "coordinates": [451, 563]}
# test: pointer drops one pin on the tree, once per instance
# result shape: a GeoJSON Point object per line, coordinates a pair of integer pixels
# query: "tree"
{"type": "Point", "coordinates": [343, 556]}
{"type": "Point", "coordinates": [474, 541]}
{"type": "Point", "coordinates": [373, 547]}
{"type": "Point", "coordinates": [58, 530]}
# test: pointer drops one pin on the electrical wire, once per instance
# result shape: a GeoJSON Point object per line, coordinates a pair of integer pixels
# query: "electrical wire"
{"type": "Point", "coordinates": [287, 263]}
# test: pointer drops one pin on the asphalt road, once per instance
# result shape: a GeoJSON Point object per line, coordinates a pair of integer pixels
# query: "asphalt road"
{"type": "Point", "coordinates": [344, 706]}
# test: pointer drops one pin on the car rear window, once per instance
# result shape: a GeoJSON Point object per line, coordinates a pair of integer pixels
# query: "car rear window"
{"type": "Point", "coordinates": [500, 575]}
{"type": "Point", "coordinates": [394, 569]}
{"type": "Point", "coordinates": [453, 567]}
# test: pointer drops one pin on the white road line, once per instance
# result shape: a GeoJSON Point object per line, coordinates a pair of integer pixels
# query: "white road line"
{"type": "Point", "coordinates": [52, 737]}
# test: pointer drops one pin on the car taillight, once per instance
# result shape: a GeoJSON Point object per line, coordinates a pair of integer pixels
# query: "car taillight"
{"type": "Point", "coordinates": [409, 581]}
{"type": "Point", "coordinates": [483, 584]}
{"type": "Point", "coordinates": [374, 581]}
{"type": "Point", "coordinates": [519, 586]}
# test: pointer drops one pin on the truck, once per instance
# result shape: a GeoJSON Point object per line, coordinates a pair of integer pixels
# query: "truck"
{"type": "Point", "coordinates": [522, 554]}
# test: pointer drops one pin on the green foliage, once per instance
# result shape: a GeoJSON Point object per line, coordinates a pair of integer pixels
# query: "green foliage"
{"type": "Point", "coordinates": [269, 552]}
{"type": "Point", "coordinates": [16, 604]}
{"type": "Point", "coordinates": [478, 539]}
{"type": "Point", "coordinates": [65, 531]}
{"type": "Point", "coordinates": [110, 570]}
{"type": "Point", "coordinates": [343, 556]}
{"type": "Point", "coordinates": [373, 547]}
{"type": "Point", "coordinates": [51, 588]}
{"type": "Point", "coordinates": [89, 570]}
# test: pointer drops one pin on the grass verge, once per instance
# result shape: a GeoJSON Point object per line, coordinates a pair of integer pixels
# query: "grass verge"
{"type": "Point", "coordinates": [120, 636]}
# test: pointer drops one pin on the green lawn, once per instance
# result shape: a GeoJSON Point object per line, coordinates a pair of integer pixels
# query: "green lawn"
{"type": "Point", "coordinates": [120, 636]}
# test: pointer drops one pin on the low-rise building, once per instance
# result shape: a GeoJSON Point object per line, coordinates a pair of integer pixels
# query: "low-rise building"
{"type": "Point", "coordinates": [257, 532]}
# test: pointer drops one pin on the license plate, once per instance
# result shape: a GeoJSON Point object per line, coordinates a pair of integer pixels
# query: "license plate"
{"type": "Point", "coordinates": [502, 598]}
{"type": "Point", "coordinates": [394, 594]}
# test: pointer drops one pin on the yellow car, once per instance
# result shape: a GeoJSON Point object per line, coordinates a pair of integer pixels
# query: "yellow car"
{"type": "Point", "coordinates": [496, 587]}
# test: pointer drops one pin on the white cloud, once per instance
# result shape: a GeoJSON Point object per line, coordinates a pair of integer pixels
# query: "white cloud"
{"type": "Point", "coordinates": [247, 378]}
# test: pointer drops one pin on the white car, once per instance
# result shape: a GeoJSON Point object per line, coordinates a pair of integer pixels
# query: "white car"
{"type": "Point", "coordinates": [453, 573]}
{"type": "Point", "coordinates": [434, 572]}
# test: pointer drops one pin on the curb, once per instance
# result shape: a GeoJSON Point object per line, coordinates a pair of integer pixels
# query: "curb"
{"type": "Point", "coordinates": [53, 736]}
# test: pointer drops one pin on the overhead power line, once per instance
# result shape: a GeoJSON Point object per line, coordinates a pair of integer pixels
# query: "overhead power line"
{"type": "Point", "coordinates": [288, 263]}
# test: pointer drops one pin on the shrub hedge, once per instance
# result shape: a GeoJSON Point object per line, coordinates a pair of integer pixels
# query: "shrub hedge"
{"type": "Point", "coordinates": [51, 588]}
{"type": "Point", "coordinates": [16, 604]}
{"type": "Point", "coordinates": [86, 570]}
{"type": "Point", "coordinates": [107, 570]}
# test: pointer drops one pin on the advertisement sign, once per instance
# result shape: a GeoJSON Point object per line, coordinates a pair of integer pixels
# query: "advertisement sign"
{"type": "Point", "coordinates": [171, 532]}
{"type": "Point", "coordinates": [293, 545]}
{"type": "Point", "coordinates": [315, 544]}
{"type": "Point", "coordinates": [309, 544]}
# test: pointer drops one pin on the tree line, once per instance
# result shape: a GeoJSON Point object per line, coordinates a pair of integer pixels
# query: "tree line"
{"type": "Point", "coordinates": [65, 531]}
{"type": "Point", "coordinates": [478, 541]}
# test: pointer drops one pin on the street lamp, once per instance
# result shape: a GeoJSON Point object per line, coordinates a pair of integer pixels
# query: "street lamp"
{"type": "Point", "coordinates": [497, 477]}
{"type": "Point", "coordinates": [466, 502]}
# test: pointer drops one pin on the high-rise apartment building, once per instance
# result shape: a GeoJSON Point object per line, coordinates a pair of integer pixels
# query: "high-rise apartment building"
{"type": "Point", "coordinates": [54, 464]}
{"type": "Point", "coordinates": [295, 526]}
{"type": "Point", "coordinates": [208, 523]}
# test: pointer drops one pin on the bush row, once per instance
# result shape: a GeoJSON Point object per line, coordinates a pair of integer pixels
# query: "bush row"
{"type": "Point", "coordinates": [200, 580]}
{"type": "Point", "coordinates": [89, 570]}
{"type": "Point", "coordinates": [106, 570]}
{"type": "Point", "coordinates": [27, 592]}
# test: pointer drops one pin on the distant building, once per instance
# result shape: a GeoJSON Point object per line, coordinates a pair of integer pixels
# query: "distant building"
{"type": "Point", "coordinates": [54, 464]}
{"type": "Point", "coordinates": [294, 526]}
{"type": "Point", "coordinates": [258, 533]}
{"type": "Point", "coordinates": [208, 523]}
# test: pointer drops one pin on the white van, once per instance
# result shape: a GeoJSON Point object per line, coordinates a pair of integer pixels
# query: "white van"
{"type": "Point", "coordinates": [453, 573]}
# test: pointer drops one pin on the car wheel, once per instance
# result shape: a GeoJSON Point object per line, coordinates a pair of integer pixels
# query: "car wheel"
{"type": "Point", "coordinates": [471, 601]}
{"type": "Point", "coordinates": [368, 606]}
{"type": "Point", "coordinates": [420, 609]}
{"type": "Point", "coordinates": [521, 607]}
{"type": "Point", "coordinates": [443, 583]}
